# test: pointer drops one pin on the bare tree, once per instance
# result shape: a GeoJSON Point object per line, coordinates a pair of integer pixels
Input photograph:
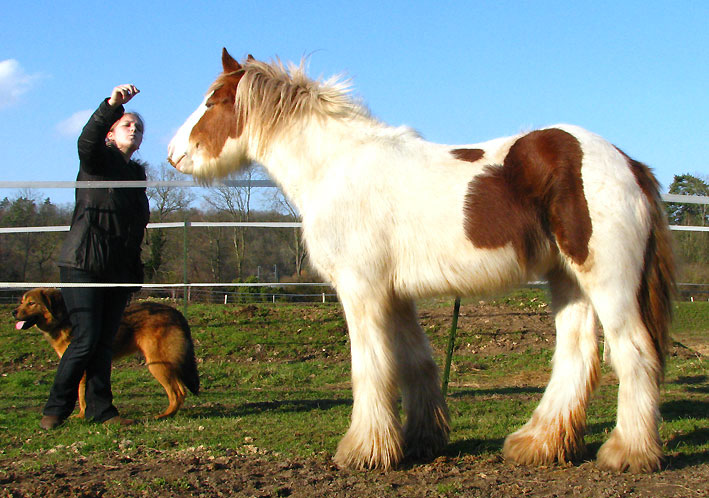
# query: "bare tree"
{"type": "Point", "coordinates": [296, 246]}
{"type": "Point", "coordinates": [46, 247]}
{"type": "Point", "coordinates": [165, 201]}
{"type": "Point", "coordinates": [29, 255]}
{"type": "Point", "coordinates": [235, 202]}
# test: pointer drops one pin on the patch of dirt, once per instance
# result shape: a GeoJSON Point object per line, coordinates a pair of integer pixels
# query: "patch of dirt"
{"type": "Point", "coordinates": [492, 328]}
{"type": "Point", "coordinates": [197, 473]}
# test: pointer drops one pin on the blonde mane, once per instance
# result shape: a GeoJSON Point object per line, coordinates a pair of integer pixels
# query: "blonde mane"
{"type": "Point", "coordinates": [271, 97]}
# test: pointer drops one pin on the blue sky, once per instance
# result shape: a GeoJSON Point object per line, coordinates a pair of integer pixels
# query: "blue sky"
{"type": "Point", "coordinates": [636, 72]}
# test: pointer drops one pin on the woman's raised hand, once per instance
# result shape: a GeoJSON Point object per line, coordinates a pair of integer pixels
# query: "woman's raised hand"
{"type": "Point", "coordinates": [122, 95]}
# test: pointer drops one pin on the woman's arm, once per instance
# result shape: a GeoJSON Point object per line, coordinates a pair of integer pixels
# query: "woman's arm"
{"type": "Point", "coordinates": [93, 137]}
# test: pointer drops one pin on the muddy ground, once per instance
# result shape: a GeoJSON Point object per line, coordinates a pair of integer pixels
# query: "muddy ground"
{"type": "Point", "coordinates": [266, 475]}
{"type": "Point", "coordinates": [239, 475]}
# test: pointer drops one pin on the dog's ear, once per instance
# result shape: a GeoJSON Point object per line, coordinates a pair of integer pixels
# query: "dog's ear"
{"type": "Point", "coordinates": [55, 303]}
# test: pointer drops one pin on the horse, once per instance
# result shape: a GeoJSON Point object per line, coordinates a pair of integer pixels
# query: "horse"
{"type": "Point", "coordinates": [389, 218]}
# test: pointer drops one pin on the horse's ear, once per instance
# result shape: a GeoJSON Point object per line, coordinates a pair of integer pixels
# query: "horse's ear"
{"type": "Point", "coordinates": [250, 57]}
{"type": "Point", "coordinates": [230, 65]}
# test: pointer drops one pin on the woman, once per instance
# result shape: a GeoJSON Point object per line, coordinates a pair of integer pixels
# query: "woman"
{"type": "Point", "coordinates": [103, 246]}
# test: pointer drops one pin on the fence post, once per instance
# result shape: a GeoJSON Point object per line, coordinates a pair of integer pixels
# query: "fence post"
{"type": "Point", "coordinates": [451, 344]}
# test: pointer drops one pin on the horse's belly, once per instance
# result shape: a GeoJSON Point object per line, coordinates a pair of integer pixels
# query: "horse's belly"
{"type": "Point", "coordinates": [470, 271]}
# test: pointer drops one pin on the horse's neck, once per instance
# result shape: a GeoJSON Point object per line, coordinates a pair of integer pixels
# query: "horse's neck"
{"type": "Point", "coordinates": [301, 158]}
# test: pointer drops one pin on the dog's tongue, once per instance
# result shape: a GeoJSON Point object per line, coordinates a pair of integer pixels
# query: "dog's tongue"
{"type": "Point", "coordinates": [19, 325]}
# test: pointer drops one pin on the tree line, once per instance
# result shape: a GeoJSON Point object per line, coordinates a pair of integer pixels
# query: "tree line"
{"type": "Point", "coordinates": [238, 254]}
{"type": "Point", "coordinates": [214, 254]}
{"type": "Point", "coordinates": [691, 248]}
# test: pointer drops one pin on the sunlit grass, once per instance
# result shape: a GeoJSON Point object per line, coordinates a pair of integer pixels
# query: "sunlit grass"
{"type": "Point", "coordinates": [275, 380]}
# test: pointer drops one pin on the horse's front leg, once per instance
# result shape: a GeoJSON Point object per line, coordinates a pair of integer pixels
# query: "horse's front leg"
{"type": "Point", "coordinates": [375, 436]}
{"type": "Point", "coordinates": [427, 421]}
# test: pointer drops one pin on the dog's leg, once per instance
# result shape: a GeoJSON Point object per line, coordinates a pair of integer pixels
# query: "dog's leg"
{"type": "Point", "coordinates": [82, 397]}
{"type": "Point", "coordinates": [165, 375]}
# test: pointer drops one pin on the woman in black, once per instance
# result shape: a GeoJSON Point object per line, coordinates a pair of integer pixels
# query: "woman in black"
{"type": "Point", "coordinates": [103, 246]}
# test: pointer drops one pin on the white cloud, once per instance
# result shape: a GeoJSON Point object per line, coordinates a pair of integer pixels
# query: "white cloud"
{"type": "Point", "coordinates": [13, 82]}
{"type": "Point", "coordinates": [71, 126]}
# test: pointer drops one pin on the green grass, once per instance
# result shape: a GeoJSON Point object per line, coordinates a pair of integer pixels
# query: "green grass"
{"type": "Point", "coordinates": [691, 320]}
{"type": "Point", "coordinates": [275, 380]}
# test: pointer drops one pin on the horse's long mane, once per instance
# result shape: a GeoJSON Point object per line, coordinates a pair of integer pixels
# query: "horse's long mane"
{"type": "Point", "coordinates": [271, 97]}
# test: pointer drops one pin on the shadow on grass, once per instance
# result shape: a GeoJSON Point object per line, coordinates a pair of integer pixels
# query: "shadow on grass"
{"type": "Point", "coordinates": [243, 409]}
{"type": "Point", "coordinates": [474, 447]}
{"type": "Point", "coordinates": [683, 409]}
{"type": "Point", "coordinates": [677, 456]}
{"type": "Point", "coordinates": [673, 460]}
{"type": "Point", "coordinates": [693, 383]}
{"type": "Point", "coordinates": [685, 460]}
{"type": "Point", "coordinates": [691, 379]}
{"type": "Point", "coordinates": [503, 391]}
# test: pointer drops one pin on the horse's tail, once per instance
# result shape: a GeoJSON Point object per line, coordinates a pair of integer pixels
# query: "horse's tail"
{"type": "Point", "coordinates": [657, 284]}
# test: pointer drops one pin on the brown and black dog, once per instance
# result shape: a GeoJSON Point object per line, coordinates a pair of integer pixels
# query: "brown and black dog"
{"type": "Point", "coordinates": [159, 332]}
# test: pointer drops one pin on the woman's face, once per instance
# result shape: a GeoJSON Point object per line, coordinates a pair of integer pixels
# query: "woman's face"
{"type": "Point", "coordinates": [127, 134]}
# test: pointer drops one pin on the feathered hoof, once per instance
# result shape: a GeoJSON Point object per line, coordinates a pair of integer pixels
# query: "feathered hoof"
{"type": "Point", "coordinates": [618, 456]}
{"type": "Point", "coordinates": [425, 444]}
{"type": "Point", "coordinates": [363, 454]}
{"type": "Point", "coordinates": [524, 448]}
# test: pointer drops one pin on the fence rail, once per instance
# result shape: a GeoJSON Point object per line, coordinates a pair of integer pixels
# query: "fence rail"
{"type": "Point", "coordinates": [254, 224]}
{"type": "Point", "coordinates": [684, 199]}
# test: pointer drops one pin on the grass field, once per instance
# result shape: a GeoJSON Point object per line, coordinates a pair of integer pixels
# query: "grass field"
{"type": "Point", "coordinates": [275, 383]}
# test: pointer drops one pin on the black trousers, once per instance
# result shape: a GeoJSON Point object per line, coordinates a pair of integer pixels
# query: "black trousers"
{"type": "Point", "coordinates": [95, 314]}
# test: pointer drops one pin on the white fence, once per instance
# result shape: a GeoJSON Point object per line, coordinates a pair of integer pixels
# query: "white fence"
{"type": "Point", "coordinates": [187, 286]}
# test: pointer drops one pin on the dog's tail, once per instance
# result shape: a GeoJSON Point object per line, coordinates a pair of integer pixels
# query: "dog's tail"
{"type": "Point", "coordinates": [188, 373]}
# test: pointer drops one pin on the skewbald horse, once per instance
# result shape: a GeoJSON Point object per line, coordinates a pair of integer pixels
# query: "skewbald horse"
{"type": "Point", "coordinates": [389, 218]}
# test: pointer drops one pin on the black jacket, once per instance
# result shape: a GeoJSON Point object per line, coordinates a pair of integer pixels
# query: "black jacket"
{"type": "Point", "coordinates": [108, 223]}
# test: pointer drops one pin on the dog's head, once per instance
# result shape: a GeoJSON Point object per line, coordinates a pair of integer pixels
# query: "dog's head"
{"type": "Point", "coordinates": [42, 307]}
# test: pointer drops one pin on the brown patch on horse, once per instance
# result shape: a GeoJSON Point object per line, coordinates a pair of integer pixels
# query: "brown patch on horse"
{"type": "Point", "coordinates": [470, 155]}
{"type": "Point", "coordinates": [220, 121]}
{"type": "Point", "coordinates": [534, 201]}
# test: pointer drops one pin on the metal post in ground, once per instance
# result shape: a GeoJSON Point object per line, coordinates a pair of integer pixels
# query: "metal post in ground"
{"type": "Point", "coordinates": [451, 345]}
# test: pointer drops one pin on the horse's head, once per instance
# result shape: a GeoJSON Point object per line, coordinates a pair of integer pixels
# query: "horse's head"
{"type": "Point", "coordinates": [210, 143]}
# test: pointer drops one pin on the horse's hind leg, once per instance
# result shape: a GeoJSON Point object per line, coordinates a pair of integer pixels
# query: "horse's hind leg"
{"type": "Point", "coordinates": [375, 438]}
{"type": "Point", "coordinates": [634, 444]}
{"type": "Point", "coordinates": [555, 431]}
{"type": "Point", "coordinates": [427, 422]}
